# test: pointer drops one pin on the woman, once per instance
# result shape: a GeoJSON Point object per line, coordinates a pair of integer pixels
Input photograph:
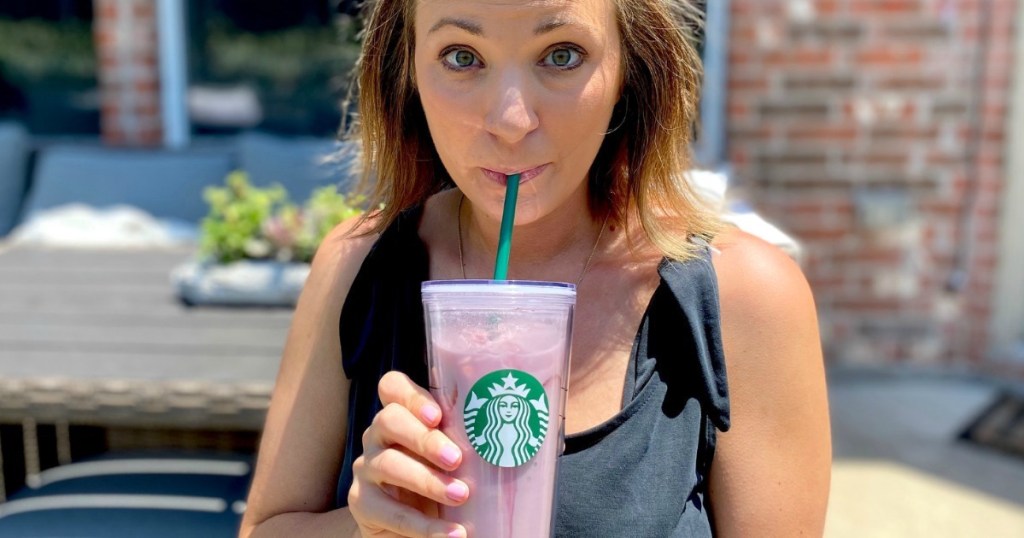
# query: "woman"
{"type": "Point", "coordinates": [507, 434]}
{"type": "Point", "coordinates": [675, 340]}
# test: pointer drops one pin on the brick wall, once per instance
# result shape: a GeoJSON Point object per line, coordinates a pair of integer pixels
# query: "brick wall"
{"type": "Point", "coordinates": [851, 125]}
{"type": "Point", "coordinates": [126, 45]}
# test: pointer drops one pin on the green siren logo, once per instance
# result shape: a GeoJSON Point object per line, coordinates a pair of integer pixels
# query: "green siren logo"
{"type": "Point", "coordinates": [506, 417]}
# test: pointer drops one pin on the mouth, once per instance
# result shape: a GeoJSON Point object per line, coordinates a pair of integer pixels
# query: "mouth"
{"type": "Point", "coordinates": [525, 174]}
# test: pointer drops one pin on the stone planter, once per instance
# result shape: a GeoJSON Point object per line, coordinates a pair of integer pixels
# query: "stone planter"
{"type": "Point", "coordinates": [241, 283]}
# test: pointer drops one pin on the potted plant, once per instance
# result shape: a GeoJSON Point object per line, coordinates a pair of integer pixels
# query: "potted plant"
{"type": "Point", "coordinates": [256, 245]}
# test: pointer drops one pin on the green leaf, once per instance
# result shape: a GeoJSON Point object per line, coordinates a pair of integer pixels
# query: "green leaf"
{"type": "Point", "coordinates": [242, 216]}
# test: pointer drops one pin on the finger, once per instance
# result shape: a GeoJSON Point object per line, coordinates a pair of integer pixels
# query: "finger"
{"type": "Point", "coordinates": [374, 510]}
{"type": "Point", "coordinates": [395, 467]}
{"type": "Point", "coordinates": [396, 387]}
{"type": "Point", "coordinates": [395, 425]}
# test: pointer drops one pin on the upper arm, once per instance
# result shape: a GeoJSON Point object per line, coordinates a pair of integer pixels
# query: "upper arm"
{"type": "Point", "coordinates": [771, 470]}
{"type": "Point", "coordinates": [301, 447]}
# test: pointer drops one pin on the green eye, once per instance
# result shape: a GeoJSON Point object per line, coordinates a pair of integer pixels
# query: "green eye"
{"type": "Point", "coordinates": [464, 58]}
{"type": "Point", "coordinates": [564, 58]}
{"type": "Point", "coordinates": [561, 57]}
{"type": "Point", "coordinates": [459, 59]}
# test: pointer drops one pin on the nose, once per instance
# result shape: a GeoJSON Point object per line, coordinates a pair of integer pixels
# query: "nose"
{"type": "Point", "coordinates": [512, 116]}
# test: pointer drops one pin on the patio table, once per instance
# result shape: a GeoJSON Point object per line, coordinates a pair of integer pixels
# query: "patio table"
{"type": "Point", "coordinates": [96, 336]}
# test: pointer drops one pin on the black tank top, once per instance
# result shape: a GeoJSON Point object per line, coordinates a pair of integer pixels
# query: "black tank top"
{"type": "Point", "coordinates": [643, 472]}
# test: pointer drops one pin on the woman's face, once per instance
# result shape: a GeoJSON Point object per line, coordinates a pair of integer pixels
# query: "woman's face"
{"type": "Point", "coordinates": [508, 408]}
{"type": "Point", "coordinates": [513, 86]}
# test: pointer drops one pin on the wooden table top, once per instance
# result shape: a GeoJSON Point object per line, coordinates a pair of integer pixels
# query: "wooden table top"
{"type": "Point", "coordinates": [97, 336]}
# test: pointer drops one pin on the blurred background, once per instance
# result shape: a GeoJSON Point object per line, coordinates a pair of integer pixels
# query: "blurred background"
{"type": "Point", "coordinates": [168, 166]}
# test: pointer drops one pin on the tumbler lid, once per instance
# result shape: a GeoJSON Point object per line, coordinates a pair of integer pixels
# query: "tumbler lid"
{"type": "Point", "coordinates": [527, 289]}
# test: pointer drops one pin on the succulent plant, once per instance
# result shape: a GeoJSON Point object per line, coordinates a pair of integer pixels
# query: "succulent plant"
{"type": "Point", "coordinates": [248, 222]}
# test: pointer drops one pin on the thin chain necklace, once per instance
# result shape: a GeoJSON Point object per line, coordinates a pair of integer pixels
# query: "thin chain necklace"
{"type": "Point", "coordinates": [586, 265]}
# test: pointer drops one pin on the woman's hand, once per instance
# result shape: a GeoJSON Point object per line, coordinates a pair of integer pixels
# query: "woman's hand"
{"type": "Point", "coordinates": [398, 480]}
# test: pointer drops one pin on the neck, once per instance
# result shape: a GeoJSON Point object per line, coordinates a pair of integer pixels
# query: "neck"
{"type": "Point", "coordinates": [555, 247]}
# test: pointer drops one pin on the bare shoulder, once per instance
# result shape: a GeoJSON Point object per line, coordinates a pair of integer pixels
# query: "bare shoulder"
{"type": "Point", "coordinates": [770, 474]}
{"type": "Point", "coordinates": [757, 278]}
{"type": "Point", "coordinates": [335, 265]}
{"type": "Point", "coordinates": [343, 250]}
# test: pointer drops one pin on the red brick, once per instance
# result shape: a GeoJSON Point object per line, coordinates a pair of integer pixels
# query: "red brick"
{"type": "Point", "coordinates": [874, 256]}
{"type": "Point", "coordinates": [143, 10]}
{"type": "Point", "coordinates": [110, 109]}
{"type": "Point", "coordinates": [738, 111]}
{"type": "Point", "coordinates": [829, 7]}
{"type": "Point", "coordinates": [879, 157]}
{"type": "Point", "coordinates": [890, 57]}
{"type": "Point", "coordinates": [150, 85]}
{"type": "Point", "coordinates": [742, 34]}
{"type": "Point", "coordinates": [107, 9]}
{"type": "Point", "coordinates": [151, 110]}
{"type": "Point", "coordinates": [740, 57]}
{"type": "Point", "coordinates": [152, 136]}
{"type": "Point", "coordinates": [872, 8]}
{"type": "Point", "coordinates": [802, 57]}
{"type": "Point", "coordinates": [755, 83]}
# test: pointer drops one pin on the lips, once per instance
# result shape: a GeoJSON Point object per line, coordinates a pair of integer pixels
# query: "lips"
{"type": "Point", "coordinates": [525, 174]}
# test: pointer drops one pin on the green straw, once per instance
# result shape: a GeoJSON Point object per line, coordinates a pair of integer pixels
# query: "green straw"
{"type": "Point", "coordinates": [508, 216]}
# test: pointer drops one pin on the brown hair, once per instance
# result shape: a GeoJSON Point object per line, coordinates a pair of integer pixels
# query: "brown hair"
{"type": "Point", "coordinates": [639, 168]}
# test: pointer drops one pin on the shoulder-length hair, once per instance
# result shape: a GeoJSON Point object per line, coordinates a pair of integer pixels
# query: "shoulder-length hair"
{"type": "Point", "coordinates": [639, 169]}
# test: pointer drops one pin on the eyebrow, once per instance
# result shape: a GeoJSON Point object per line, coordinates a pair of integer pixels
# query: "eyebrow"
{"type": "Point", "coordinates": [548, 26]}
{"type": "Point", "coordinates": [477, 30]}
{"type": "Point", "coordinates": [468, 26]}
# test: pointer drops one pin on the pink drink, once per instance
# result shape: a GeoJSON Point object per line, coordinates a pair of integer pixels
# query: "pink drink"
{"type": "Point", "coordinates": [498, 358]}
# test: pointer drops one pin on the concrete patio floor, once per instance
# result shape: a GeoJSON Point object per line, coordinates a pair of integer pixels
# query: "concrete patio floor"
{"type": "Point", "coordinates": [899, 470]}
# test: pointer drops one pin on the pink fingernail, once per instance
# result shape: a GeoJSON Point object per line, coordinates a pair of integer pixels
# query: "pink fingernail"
{"type": "Point", "coordinates": [450, 455]}
{"type": "Point", "coordinates": [430, 413]}
{"type": "Point", "coordinates": [456, 533]}
{"type": "Point", "coordinates": [456, 491]}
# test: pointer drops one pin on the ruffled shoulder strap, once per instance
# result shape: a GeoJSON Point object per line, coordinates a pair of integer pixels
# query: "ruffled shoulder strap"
{"type": "Point", "coordinates": [694, 287]}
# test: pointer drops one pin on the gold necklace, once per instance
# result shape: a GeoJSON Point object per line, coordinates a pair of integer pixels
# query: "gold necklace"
{"type": "Point", "coordinates": [586, 265]}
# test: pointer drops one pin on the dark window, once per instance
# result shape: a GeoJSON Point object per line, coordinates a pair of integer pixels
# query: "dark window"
{"type": "Point", "coordinates": [275, 66]}
{"type": "Point", "coordinates": [48, 66]}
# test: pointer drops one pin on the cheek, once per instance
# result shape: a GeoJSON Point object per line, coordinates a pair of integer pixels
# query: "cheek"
{"type": "Point", "coordinates": [448, 116]}
{"type": "Point", "coordinates": [579, 121]}
{"type": "Point", "coordinates": [586, 110]}
{"type": "Point", "coordinates": [436, 103]}
{"type": "Point", "coordinates": [443, 102]}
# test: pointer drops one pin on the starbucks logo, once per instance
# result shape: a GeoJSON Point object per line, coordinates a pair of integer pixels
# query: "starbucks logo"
{"type": "Point", "coordinates": [506, 417]}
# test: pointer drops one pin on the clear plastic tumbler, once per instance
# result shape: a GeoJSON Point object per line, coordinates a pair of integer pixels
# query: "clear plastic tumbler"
{"type": "Point", "coordinates": [498, 355]}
